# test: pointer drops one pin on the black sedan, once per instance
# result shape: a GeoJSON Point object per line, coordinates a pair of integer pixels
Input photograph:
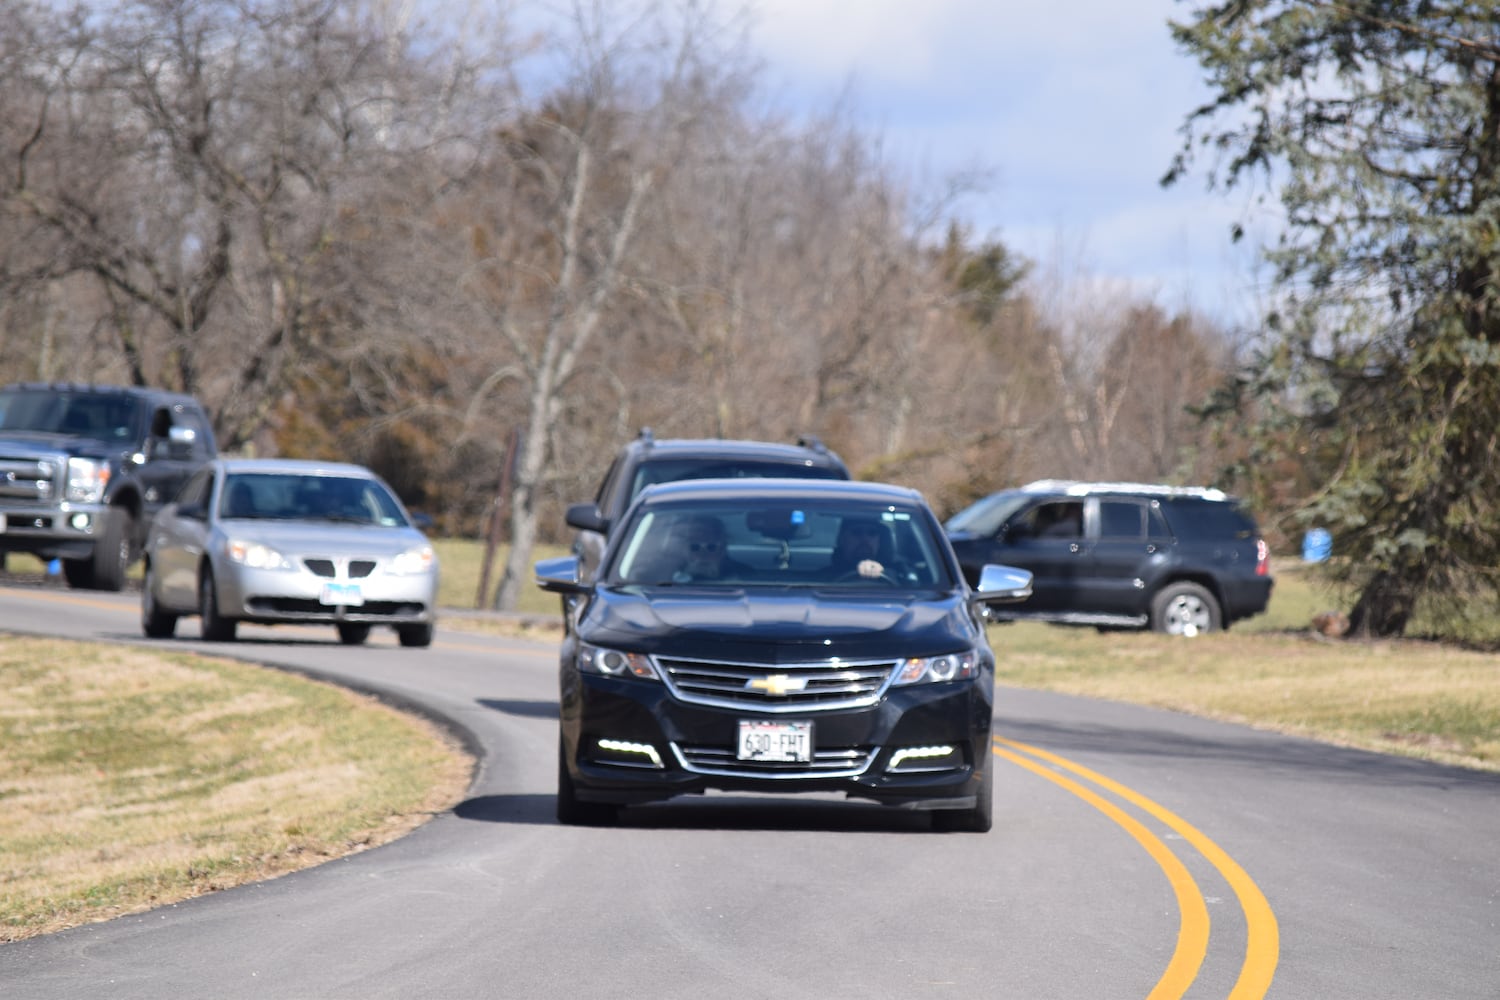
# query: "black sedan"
{"type": "Point", "coordinates": [778, 636]}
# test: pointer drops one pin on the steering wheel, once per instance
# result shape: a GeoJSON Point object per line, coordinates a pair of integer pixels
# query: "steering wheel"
{"type": "Point", "coordinates": [884, 577]}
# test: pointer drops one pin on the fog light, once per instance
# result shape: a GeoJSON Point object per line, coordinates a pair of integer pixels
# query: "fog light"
{"type": "Point", "coordinates": [80, 522]}
{"type": "Point", "coordinates": [919, 754]}
{"type": "Point", "coordinates": [633, 749]}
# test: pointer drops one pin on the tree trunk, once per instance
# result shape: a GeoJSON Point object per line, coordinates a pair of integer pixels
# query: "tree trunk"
{"type": "Point", "coordinates": [1384, 607]}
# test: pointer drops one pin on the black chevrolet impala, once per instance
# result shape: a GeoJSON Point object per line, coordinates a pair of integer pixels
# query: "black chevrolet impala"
{"type": "Point", "coordinates": [778, 636]}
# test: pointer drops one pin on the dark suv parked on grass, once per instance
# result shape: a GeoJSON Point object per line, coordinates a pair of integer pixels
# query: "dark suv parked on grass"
{"type": "Point", "coordinates": [647, 461]}
{"type": "Point", "coordinates": [1181, 560]}
{"type": "Point", "coordinates": [84, 468]}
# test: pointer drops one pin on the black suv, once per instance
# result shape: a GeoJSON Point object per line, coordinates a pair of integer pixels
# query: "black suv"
{"type": "Point", "coordinates": [84, 468]}
{"type": "Point", "coordinates": [1181, 560]}
{"type": "Point", "coordinates": [646, 461]}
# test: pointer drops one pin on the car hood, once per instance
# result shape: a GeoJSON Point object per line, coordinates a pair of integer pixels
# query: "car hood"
{"type": "Point", "coordinates": [779, 626]}
{"type": "Point", "coordinates": [324, 537]}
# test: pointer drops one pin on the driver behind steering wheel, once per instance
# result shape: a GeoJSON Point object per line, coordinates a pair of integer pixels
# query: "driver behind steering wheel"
{"type": "Point", "coordinates": [857, 549]}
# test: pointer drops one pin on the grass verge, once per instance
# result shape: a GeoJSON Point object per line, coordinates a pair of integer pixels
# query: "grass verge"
{"type": "Point", "coordinates": [134, 777]}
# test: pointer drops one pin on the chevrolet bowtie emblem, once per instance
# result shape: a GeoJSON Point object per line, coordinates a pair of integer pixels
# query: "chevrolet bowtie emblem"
{"type": "Point", "coordinates": [777, 684]}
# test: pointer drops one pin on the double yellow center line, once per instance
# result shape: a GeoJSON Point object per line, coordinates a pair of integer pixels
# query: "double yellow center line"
{"type": "Point", "coordinates": [1262, 939]}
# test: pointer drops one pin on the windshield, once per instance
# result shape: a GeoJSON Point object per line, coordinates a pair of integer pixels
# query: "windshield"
{"type": "Point", "coordinates": [984, 517]}
{"type": "Point", "coordinates": [786, 544]}
{"type": "Point", "coordinates": [276, 496]}
{"type": "Point", "coordinates": [91, 415]}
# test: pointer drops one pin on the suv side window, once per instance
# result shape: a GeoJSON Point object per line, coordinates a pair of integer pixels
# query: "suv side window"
{"type": "Point", "coordinates": [1206, 520]}
{"type": "Point", "coordinates": [1052, 519]}
{"type": "Point", "coordinates": [1122, 519]}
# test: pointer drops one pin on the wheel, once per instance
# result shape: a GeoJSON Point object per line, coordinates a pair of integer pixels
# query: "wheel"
{"type": "Point", "coordinates": [1185, 608]}
{"type": "Point", "coordinates": [216, 628]}
{"type": "Point", "coordinates": [977, 819]}
{"type": "Point", "coordinates": [855, 575]}
{"type": "Point", "coordinates": [569, 810]}
{"type": "Point", "coordinates": [415, 635]}
{"type": "Point", "coordinates": [113, 551]}
{"type": "Point", "coordinates": [353, 635]}
{"type": "Point", "coordinates": [156, 623]}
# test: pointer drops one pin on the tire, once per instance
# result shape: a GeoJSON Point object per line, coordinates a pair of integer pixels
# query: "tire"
{"type": "Point", "coordinates": [415, 635]}
{"type": "Point", "coordinates": [216, 628]}
{"type": "Point", "coordinates": [156, 623]}
{"type": "Point", "coordinates": [1186, 609]}
{"type": "Point", "coordinates": [113, 550]}
{"type": "Point", "coordinates": [570, 811]}
{"type": "Point", "coordinates": [977, 819]}
{"type": "Point", "coordinates": [353, 635]}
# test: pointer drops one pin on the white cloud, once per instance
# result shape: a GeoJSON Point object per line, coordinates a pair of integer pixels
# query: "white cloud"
{"type": "Point", "coordinates": [1075, 104]}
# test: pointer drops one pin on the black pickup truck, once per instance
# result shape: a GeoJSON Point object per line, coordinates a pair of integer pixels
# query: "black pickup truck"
{"type": "Point", "coordinates": [84, 468]}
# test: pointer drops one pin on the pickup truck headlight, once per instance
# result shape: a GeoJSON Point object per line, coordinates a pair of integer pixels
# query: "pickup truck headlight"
{"type": "Point", "coordinates": [87, 478]}
{"type": "Point", "coordinates": [939, 669]}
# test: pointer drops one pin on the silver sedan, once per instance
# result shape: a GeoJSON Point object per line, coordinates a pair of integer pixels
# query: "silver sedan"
{"type": "Point", "coordinates": [282, 541]}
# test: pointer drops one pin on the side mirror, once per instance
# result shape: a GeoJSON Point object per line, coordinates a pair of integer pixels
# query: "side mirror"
{"type": "Point", "coordinates": [1002, 585]}
{"type": "Point", "coordinates": [180, 442]}
{"type": "Point", "coordinates": [560, 575]}
{"type": "Point", "coordinates": [586, 517]}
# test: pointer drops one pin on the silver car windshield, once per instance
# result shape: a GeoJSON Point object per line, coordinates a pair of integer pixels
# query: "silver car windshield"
{"type": "Point", "coordinates": [291, 496]}
{"type": "Point", "coordinates": [790, 545]}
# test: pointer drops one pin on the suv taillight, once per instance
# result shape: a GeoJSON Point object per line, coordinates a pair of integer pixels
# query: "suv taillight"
{"type": "Point", "coordinates": [1262, 558]}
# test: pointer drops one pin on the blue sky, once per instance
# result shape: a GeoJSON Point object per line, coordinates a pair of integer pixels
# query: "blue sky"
{"type": "Point", "coordinates": [1075, 107]}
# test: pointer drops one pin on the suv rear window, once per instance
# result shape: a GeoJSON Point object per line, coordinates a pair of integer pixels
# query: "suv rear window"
{"type": "Point", "coordinates": [1206, 520]}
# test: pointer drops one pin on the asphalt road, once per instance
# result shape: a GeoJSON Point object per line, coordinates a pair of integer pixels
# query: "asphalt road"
{"type": "Point", "coordinates": [1136, 853]}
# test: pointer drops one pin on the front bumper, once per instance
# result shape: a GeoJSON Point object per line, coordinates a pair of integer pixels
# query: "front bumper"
{"type": "Point", "coordinates": [289, 597]}
{"type": "Point", "coordinates": [630, 741]}
{"type": "Point", "coordinates": [63, 531]}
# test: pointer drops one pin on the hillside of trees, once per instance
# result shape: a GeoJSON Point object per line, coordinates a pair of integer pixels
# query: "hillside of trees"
{"type": "Point", "coordinates": [362, 235]}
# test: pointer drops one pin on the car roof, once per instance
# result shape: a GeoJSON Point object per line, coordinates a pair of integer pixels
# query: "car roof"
{"type": "Point", "coordinates": [781, 489]}
{"type": "Point", "coordinates": [1077, 488]}
{"type": "Point", "coordinates": [86, 388]}
{"type": "Point", "coordinates": [294, 466]}
{"type": "Point", "coordinates": [810, 454]}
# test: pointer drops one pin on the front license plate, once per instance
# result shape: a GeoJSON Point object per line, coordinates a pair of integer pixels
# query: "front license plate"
{"type": "Point", "coordinates": [343, 594]}
{"type": "Point", "coordinates": [775, 741]}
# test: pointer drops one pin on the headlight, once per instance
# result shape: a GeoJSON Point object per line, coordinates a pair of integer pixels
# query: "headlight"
{"type": "Point", "coordinates": [613, 663]}
{"type": "Point", "coordinates": [255, 555]}
{"type": "Point", "coordinates": [413, 561]}
{"type": "Point", "coordinates": [87, 478]}
{"type": "Point", "coordinates": [937, 669]}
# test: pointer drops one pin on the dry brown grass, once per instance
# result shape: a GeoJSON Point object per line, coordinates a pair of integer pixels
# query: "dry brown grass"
{"type": "Point", "coordinates": [134, 778]}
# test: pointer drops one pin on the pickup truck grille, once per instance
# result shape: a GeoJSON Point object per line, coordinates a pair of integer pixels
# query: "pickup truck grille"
{"type": "Point", "coordinates": [821, 685]}
{"type": "Point", "coordinates": [27, 479]}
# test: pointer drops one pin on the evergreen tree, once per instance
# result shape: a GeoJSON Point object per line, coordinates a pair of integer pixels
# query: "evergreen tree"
{"type": "Point", "coordinates": [1378, 123]}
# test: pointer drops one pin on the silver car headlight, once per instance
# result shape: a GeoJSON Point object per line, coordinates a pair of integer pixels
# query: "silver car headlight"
{"type": "Point", "coordinates": [613, 663]}
{"type": "Point", "coordinates": [938, 669]}
{"type": "Point", "coordinates": [87, 478]}
{"type": "Point", "coordinates": [255, 555]}
{"type": "Point", "coordinates": [415, 561]}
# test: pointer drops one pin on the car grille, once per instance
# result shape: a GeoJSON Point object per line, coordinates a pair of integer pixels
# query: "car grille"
{"type": "Point", "coordinates": [358, 568]}
{"type": "Point", "coordinates": [27, 479]}
{"type": "Point", "coordinates": [827, 762]}
{"type": "Point", "coordinates": [822, 685]}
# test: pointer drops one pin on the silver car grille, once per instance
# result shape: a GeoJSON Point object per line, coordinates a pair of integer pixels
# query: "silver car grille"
{"type": "Point", "coordinates": [816, 686]}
